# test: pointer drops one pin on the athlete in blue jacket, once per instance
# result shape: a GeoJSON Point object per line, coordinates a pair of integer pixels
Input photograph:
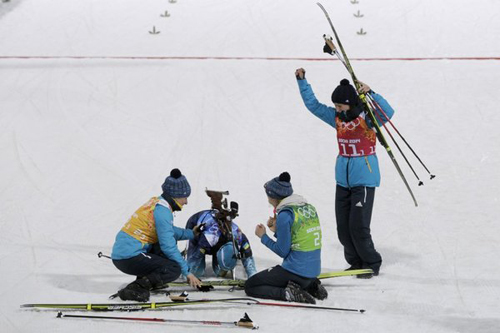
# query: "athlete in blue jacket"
{"type": "Point", "coordinates": [298, 242]}
{"type": "Point", "coordinates": [216, 240]}
{"type": "Point", "coordinates": [356, 171]}
{"type": "Point", "coordinates": [146, 246]}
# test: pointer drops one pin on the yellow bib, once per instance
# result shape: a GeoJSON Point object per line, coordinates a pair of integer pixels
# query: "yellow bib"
{"type": "Point", "coordinates": [141, 224]}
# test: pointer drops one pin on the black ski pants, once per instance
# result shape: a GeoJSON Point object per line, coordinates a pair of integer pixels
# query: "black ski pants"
{"type": "Point", "coordinates": [154, 265]}
{"type": "Point", "coordinates": [353, 210]}
{"type": "Point", "coordinates": [271, 283]}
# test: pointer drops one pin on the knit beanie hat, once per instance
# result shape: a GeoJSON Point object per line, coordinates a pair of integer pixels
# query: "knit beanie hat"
{"type": "Point", "coordinates": [176, 185]}
{"type": "Point", "coordinates": [345, 94]}
{"type": "Point", "coordinates": [279, 187]}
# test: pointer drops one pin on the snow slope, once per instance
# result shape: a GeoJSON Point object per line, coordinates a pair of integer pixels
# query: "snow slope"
{"type": "Point", "coordinates": [84, 142]}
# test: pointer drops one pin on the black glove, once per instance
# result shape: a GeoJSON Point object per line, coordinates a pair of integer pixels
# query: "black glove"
{"type": "Point", "coordinates": [197, 230]}
{"type": "Point", "coordinates": [327, 49]}
{"type": "Point", "coordinates": [205, 289]}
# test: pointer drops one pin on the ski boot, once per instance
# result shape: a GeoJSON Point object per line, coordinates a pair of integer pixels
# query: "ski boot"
{"type": "Point", "coordinates": [136, 291]}
{"type": "Point", "coordinates": [316, 290]}
{"type": "Point", "coordinates": [294, 293]}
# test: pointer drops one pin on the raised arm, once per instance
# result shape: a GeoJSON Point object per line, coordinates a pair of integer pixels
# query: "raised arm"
{"type": "Point", "coordinates": [322, 111]}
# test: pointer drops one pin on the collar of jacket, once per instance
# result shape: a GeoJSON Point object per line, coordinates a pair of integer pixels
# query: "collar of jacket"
{"type": "Point", "coordinates": [171, 202]}
{"type": "Point", "coordinates": [294, 199]}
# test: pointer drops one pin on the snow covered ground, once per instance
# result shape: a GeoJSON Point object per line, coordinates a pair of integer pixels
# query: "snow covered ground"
{"type": "Point", "coordinates": [84, 142]}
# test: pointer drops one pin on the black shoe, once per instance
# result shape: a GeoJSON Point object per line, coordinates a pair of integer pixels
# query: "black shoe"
{"type": "Point", "coordinates": [136, 291]}
{"type": "Point", "coordinates": [316, 290]}
{"type": "Point", "coordinates": [294, 293]}
{"type": "Point", "coordinates": [369, 275]}
{"type": "Point", "coordinates": [365, 276]}
{"type": "Point", "coordinates": [160, 286]}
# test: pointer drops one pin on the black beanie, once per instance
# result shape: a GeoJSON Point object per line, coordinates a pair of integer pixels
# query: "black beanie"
{"type": "Point", "coordinates": [345, 94]}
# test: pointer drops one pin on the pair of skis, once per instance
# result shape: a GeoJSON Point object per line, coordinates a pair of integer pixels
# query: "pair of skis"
{"type": "Point", "coordinates": [104, 307]}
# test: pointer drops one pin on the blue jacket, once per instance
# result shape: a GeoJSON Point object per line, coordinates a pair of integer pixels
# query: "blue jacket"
{"type": "Point", "coordinates": [210, 241]}
{"type": "Point", "coordinates": [305, 264]}
{"type": "Point", "coordinates": [126, 246]}
{"type": "Point", "coordinates": [349, 171]}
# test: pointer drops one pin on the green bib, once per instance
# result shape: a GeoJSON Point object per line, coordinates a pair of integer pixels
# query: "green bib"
{"type": "Point", "coordinates": [306, 230]}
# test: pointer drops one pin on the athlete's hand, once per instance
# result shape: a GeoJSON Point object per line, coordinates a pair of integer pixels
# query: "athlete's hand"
{"type": "Point", "coordinates": [300, 74]}
{"type": "Point", "coordinates": [364, 87]}
{"type": "Point", "coordinates": [193, 280]}
{"type": "Point", "coordinates": [260, 230]}
{"type": "Point", "coordinates": [271, 223]}
{"type": "Point", "coordinates": [198, 229]}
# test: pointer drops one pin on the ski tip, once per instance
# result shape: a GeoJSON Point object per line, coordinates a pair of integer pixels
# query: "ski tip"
{"type": "Point", "coordinates": [362, 311]}
{"type": "Point", "coordinates": [27, 306]}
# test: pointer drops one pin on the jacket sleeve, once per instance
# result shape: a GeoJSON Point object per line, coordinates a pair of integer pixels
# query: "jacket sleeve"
{"type": "Point", "coordinates": [166, 236]}
{"type": "Point", "coordinates": [381, 103]}
{"type": "Point", "coordinates": [244, 245]}
{"type": "Point", "coordinates": [196, 262]}
{"type": "Point", "coordinates": [323, 112]}
{"type": "Point", "coordinates": [183, 234]}
{"type": "Point", "coordinates": [283, 243]}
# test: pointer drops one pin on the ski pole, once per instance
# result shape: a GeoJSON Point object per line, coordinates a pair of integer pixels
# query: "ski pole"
{"type": "Point", "coordinates": [244, 322]}
{"type": "Point", "coordinates": [392, 138]}
{"type": "Point", "coordinates": [401, 136]}
{"type": "Point", "coordinates": [316, 307]}
{"type": "Point", "coordinates": [183, 299]}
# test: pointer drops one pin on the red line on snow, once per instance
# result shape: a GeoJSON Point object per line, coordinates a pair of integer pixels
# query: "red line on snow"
{"type": "Point", "coordinates": [235, 58]}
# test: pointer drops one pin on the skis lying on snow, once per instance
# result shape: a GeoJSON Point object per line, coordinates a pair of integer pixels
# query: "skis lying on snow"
{"type": "Point", "coordinates": [241, 283]}
{"type": "Point", "coordinates": [244, 322]}
{"type": "Point", "coordinates": [133, 306]}
{"type": "Point", "coordinates": [179, 302]}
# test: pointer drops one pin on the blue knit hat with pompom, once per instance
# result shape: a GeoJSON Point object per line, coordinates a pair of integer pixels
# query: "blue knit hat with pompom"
{"type": "Point", "coordinates": [279, 187]}
{"type": "Point", "coordinates": [176, 185]}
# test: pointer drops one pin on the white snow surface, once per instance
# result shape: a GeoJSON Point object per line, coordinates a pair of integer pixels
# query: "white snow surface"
{"type": "Point", "coordinates": [85, 142]}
